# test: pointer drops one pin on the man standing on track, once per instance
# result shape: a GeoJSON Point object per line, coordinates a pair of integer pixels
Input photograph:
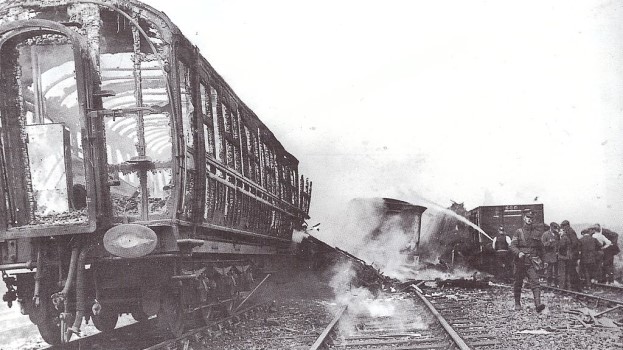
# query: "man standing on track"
{"type": "Point", "coordinates": [574, 256]}
{"type": "Point", "coordinates": [551, 240]}
{"type": "Point", "coordinates": [604, 243]}
{"type": "Point", "coordinates": [501, 244]}
{"type": "Point", "coordinates": [609, 251]}
{"type": "Point", "coordinates": [527, 247]}
{"type": "Point", "coordinates": [565, 259]}
{"type": "Point", "coordinates": [589, 252]}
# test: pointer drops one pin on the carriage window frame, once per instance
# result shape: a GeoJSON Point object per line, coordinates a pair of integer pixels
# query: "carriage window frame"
{"type": "Point", "coordinates": [207, 120]}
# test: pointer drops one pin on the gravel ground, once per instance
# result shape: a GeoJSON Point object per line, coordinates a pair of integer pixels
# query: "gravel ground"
{"type": "Point", "coordinates": [302, 304]}
{"type": "Point", "coordinates": [301, 308]}
{"type": "Point", "coordinates": [494, 308]}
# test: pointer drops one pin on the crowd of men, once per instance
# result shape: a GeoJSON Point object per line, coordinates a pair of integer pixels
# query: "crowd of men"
{"type": "Point", "coordinates": [555, 250]}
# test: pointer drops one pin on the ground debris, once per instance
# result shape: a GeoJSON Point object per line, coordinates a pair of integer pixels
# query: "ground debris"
{"type": "Point", "coordinates": [588, 317]}
{"type": "Point", "coordinates": [539, 331]}
{"type": "Point", "coordinates": [463, 283]}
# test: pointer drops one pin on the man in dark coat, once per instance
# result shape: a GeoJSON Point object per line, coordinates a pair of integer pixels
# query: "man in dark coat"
{"type": "Point", "coordinates": [504, 258]}
{"type": "Point", "coordinates": [550, 239]}
{"type": "Point", "coordinates": [574, 255]}
{"type": "Point", "coordinates": [527, 247]}
{"type": "Point", "coordinates": [589, 250]}
{"type": "Point", "coordinates": [565, 259]}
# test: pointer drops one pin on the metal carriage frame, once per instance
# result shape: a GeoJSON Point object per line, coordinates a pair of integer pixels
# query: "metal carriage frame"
{"type": "Point", "coordinates": [235, 192]}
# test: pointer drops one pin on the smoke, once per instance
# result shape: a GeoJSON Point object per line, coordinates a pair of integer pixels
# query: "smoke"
{"type": "Point", "coordinates": [298, 236]}
{"type": "Point", "coordinates": [366, 231]}
{"type": "Point", "coordinates": [381, 240]}
{"type": "Point", "coordinates": [423, 273]}
{"type": "Point", "coordinates": [362, 304]}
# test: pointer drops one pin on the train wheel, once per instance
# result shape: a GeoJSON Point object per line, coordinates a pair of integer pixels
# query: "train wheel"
{"type": "Point", "coordinates": [48, 321]}
{"type": "Point", "coordinates": [171, 315]}
{"type": "Point", "coordinates": [50, 330]}
{"type": "Point", "coordinates": [106, 320]}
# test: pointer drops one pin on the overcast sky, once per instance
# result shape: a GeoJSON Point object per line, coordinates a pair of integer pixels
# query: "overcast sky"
{"type": "Point", "coordinates": [482, 102]}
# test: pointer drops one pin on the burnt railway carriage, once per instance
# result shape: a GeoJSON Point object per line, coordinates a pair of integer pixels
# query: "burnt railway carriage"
{"type": "Point", "coordinates": [132, 178]}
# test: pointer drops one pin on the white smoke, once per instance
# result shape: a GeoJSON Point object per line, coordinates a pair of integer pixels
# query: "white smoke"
{"type": "Point", "coordinates": [298, 236]}
{"type": "Point", "coordinates": [381, 240]}
{"type": "Point", "coordinates": [361, 303]}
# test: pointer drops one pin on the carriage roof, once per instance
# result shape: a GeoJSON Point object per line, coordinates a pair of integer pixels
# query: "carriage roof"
{"type": "Point", "coordinates": [168, 30]}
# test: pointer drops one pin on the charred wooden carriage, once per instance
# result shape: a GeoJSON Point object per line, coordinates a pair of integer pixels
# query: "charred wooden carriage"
{"type": "Point", "coordinates": [133, 179]}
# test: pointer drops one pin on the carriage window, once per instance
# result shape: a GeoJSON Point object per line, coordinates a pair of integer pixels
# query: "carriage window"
{"type": "Point", "coordinates": [230, 123]}
{"type": "Point", "coordinates": [187, 106]}
{"type": "Point", "coordinates": [41, 132]}
{"type": "Point", "coordinates": [188, 111]}
{"type": "Point", "coordinates": [208, 122]}
{"type": "Point", "coordinates": [141, 140]}
{"type": "Point", "coordinates": [218, 128]}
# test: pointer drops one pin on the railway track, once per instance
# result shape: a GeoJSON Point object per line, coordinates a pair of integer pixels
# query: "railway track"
{"type": "Point", "coordinates": [419, 321]}
{"type": "Point", "coordinates": [601, 294]}
{"type": "Point", "coordinates": [146, 336]}
{"type": "Point", "coordinates": [614, 287]}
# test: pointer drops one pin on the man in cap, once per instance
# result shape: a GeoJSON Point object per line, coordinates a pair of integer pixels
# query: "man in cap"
{"type": "Point", "coordinates": [609, 251]}
{"type": "Point", "coordinates": [551, 240]}
{"type": "Point", "coordinates": [527, 247]}
{"type": "Point", "coordinates": [565, 259]}
{"type": "Point", "coordinates": [589, 250]}
{"type": "Point", "coordinates": [501, 244]}
{"type": "Point", "coordinates": [573, 255]}
{"type": "Point", "coordinates": [604, 243]}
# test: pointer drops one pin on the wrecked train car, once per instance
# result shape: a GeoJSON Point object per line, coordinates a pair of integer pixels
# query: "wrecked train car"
{"type": "Point", "coordinates": [123, 150]}
{"type": "Point", "coordinates": [489, 218]}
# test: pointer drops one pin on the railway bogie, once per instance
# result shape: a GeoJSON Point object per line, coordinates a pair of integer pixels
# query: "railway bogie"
{"type": "Point", "coordinates": [132, 178]}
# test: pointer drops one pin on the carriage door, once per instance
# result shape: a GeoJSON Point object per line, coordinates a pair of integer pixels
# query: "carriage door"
{"type": "Point", "coordinates": [138, 139]}
{"type": "Point", "coordinates": [42, 127]}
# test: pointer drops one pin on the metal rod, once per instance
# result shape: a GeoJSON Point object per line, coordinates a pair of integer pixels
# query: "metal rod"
{"type": "Point", "coordinates": [38, 274]}
{"type": "Point", "coordinates": [81, 286]}
{"type": "Point", "coordinates": [453, 334]}
{"type": "Point", "coordinates": [253, 291]}
{"type": "Point", "coordinates": [73, 262]}
{"type": "Point", "coordinates": [27, 265]}
{"type": "Point", "coordinates": [140, 122]}
{"type": "Point", "coordinates": [606, 311]}
{"type": "Point", "coordinates": [321, 339]}
{"type": "Point", "coordinates": [616, 302]}
{"type": "Point", "coordinates": [36, 85]}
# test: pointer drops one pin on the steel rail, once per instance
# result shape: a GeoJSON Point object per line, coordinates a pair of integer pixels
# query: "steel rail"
{"type": "Point", "coordinates": [101, 337]}
{"type": "Point", "coordinates": [609, 286]}
{"type": "Point", "coordinates": [79, 343]}
{"type": "Point", "coordinates": [584, 295]}
{"type": "Point", "coordinates": [193, 334]}
{"type": "Point", "coordinates": [320, 342]}
{"type": "Point", "coordinates": [456, 338]}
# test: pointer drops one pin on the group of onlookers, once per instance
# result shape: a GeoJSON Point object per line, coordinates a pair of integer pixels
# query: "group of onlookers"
{"type": "Point", "coordinates": [555, 250]}
{"type": "Point", "coordinates": [594, 251]}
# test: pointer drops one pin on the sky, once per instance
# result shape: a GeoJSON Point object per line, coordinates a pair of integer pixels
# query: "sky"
{"type": "Point", "coordinates": [481, 102]}
{"type": "Point", "coordinates": [478, 102]}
